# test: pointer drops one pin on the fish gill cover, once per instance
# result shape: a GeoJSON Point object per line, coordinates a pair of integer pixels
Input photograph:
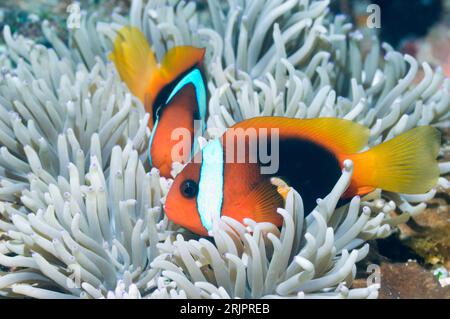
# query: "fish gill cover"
{"type": "Point", "coordinates": [81, 210]}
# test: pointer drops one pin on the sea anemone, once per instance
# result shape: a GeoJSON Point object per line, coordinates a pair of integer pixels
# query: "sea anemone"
{"type": "Point", "coordinates": [81, 210]}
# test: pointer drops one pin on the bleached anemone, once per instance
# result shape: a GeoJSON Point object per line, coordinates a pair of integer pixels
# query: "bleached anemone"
{"type": "Point", "coordinates": [81, 211]}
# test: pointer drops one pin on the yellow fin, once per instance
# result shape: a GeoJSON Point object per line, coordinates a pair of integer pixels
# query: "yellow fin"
{"type": "Point", "coordinates": [180, 59]}
{"type": "Point", "coordinates": [266, 201]}
{"type": "Point", "coordinates": [134, 60]}
{"type": "Point", "coordinates": [405, 164]}
{"type": "Point", "coordinates": [338, 135]}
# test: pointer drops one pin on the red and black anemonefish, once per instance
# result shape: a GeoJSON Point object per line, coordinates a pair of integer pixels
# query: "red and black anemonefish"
{"type": "Point", "coordinates": [311, 158]}
{"type": "Point", "coordinates": [173, 92]}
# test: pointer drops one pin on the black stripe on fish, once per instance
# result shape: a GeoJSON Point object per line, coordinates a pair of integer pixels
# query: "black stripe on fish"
{"type": "Point", "coordinates": [308, 167]}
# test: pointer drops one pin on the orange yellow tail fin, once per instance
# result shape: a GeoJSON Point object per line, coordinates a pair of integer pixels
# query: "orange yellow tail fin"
{"type": "Point", "coordinates": [139, 69]}
{"type": "Point", "coordinates": [405, 164]}
{"type": "Point", "coordinates": [134, 60]}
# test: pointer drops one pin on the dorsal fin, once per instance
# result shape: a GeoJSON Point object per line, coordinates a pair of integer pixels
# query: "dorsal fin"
{"type": "Point", "coordinates": [338, 135]}
{"type": "Point", "coordinates": [180, 59]}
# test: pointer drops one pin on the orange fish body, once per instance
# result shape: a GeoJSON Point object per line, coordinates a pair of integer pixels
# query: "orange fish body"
{"type": "Point", "coordinates": [154, 83]}
{"type": "Point", "coordinates": [311, 155]}
{"type": "Point", "coordinates": [179, 115]}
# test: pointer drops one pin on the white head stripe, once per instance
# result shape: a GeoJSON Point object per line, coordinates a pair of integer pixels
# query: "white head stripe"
{"type": "Point", "coordinates": [210, 186]}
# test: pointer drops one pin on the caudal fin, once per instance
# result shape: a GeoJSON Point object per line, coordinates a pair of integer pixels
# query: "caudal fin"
{"type": "Point", "coordinates": [134, 60]}
{"type": "Point", "coordinates": [138, 68]}
{"type": "Point", "coordinates": [406, 164]}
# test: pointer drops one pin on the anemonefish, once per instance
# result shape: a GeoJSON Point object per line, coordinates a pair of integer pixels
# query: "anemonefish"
{"type": "Point", "coordinates": [311, 157]}
{"type": "Point", "coordinates": [173, 92]}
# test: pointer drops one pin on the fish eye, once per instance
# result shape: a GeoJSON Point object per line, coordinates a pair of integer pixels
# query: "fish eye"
{"type": "Point", "coordinates": [189, 188]}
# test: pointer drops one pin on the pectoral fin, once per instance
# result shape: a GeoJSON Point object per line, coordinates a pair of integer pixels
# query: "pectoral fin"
{"type": "Point", "coordinates": [266, 200]}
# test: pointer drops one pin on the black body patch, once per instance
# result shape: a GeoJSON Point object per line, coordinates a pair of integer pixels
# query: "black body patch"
{"type": "Point", "coordinates": [308, 167]}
